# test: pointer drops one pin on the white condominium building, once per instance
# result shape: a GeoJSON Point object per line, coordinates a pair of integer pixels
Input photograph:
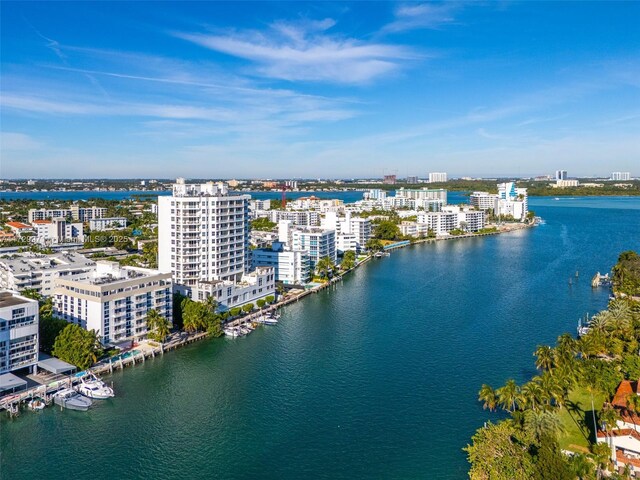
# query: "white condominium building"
{"type": "Point", "coordinates": [452, 218]}
{"type": "Point", "coordinates": [107, 223]}
{"type": "Point", "coordinates": [19, 318]}
{"type": "Point", "coordinates": [203, 240]}
{"type": "Point", "coordinates": [484, 201]}
{"type": "Point", "coordinates": [84, 214]}
{"type": "Point", "coordinates": [258, 284]}
{"type": "Point", "coordinates": [114, 301]}
{"type": "Point", "coordinates": [57, 230]}
{"type": "Point", "coordinates": [317, 242]}
{"type": "Point", "coordinates": [423, 194]}
{"type": "Point", "coordinates": [310, 218]}
{"type": "Point", "coordinates": [203, 233]}
{"type": "Point", "coordinates": [621, 176]}
{"type": "Point", "coordinates": [513, 201]}
{"type": "Point", "coordinates": [290, 267]}
{"type": "Point", "coordinates": [435, 177]}
{"type": "Point", "coordinates": [20, 271]}
{"type": "Point", "coordinates": [352, 233]}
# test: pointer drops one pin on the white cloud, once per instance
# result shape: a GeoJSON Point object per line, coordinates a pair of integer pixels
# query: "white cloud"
{"type": "Point", "coordinates": [305, 51]}
{"type": "Point", "coordinates": [422, 15]}
{"type": "Point", "coordinates": [14, 141]}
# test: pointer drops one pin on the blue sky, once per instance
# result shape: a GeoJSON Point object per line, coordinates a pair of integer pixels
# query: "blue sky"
{"type": "Point", "coordinates": [326, 89]}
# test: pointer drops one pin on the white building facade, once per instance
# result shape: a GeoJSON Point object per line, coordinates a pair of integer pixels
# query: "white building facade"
{"type": "Point", "coordinates": [114, 301]}
{"type": "Point", "coordinates": [107, 223]}
{"type": "Point", "coordinates": [435, 177]}
{"type": "Point", "coordinates": [19, 317]}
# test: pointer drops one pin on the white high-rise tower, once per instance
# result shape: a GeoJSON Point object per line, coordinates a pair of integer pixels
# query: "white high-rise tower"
{"type": "Point", "coordinates": [203, 233]}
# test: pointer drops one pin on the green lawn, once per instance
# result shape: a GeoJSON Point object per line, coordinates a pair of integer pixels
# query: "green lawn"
{"type": "Point", "coordinates": [577, 419]}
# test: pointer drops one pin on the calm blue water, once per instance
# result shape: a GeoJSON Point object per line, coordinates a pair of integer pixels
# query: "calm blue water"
{"type": "Point", "coordinates": [377, 379]}
{"type": "Point", "coordinates": [348, 197]}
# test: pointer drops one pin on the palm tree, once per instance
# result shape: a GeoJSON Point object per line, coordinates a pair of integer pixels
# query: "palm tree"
{"type": "Point", "coordinates": [545, 358]}
{"type": "Point", "coordinates": [531, 395]}
{"type": "Point", "coordinates": [609, 416]}
{"type": "Point", "coordinates": [601, 321]}
{"type": "Point", "coordinates": [157, 325]}
{"type": "Point", "coordinates": [211, 303]}
{"type": "Point", "coordinates": [507, 395]}
{"type": "Point", "coordinates": [324, 267]}
{"type": "Point", "coordinates": [566, 348]}
{"type": "Point", "coordinates": [551, 389]}
{"type": "Point", "coordinates": [488, 395]}
{"type": "Point", "coordinates": [542, 423]}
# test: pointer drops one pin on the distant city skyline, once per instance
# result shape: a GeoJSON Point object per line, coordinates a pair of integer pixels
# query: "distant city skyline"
{"type": "Point", "coordinates": [318, 90]}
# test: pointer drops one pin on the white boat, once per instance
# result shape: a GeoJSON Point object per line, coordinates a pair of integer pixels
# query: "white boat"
{"type": "Point", "coordinates": [36, 404]}
{"type": "Point", "coordinates": [92, 387]}
{"type": "Point", "coordinates": [69, 398]}
{"type": "Point", "coordinates": [270, 321]}
{"type": "Point", "coordinates": [230, 332]}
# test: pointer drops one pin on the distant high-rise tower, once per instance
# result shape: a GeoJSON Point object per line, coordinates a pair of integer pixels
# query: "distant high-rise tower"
{"type": "Point", "coordinates": [561, 174]}
{"type": "Point", "coordinates": [620, 176]}
{"type": "Point", "coordinates": [389, 179]}
{"type": "Point", "coordinates": [437, 177]}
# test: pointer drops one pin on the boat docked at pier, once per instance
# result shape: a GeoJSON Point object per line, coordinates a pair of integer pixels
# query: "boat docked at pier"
{"type": "Point", "coordinates": [36, 404]}
{"type": "Point", "coordinates": [69, 398]}
{"type": "Point", "coordinates": [92, 387]}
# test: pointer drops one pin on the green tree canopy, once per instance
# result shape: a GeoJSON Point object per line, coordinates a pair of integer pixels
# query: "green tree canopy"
{"type": "Point", "coordinates": [77, 346]}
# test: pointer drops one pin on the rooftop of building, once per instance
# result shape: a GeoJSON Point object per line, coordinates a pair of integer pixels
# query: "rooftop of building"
{"type": "Point", "coordinates": [31, 261]}
{"type": "Point", "coordinates": [18, 225]}
{"type": "Point", "coordinates": [11, 299]}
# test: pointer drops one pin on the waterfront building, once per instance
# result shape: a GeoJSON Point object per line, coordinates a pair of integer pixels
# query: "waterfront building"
{"type": "Point", "coordinates": [620, 176]}
{"type": "Point", "coordinates": [57, 230]}
{"type": "Point", "coordinates": [317, 242]}
{"type": "Point", "coordinates": [203, 236]}
{"type": "Point", "coordinates": [451, 218]}
{"type": "Point", "coordinates": [83, 214]}
{"type": "Point", "coordinates": [352, 233]}
{"type": "Point", "coordinates": [413, 229]}
{"type": "Point", "coordinates": [259, 283]}
{"type": "Point", "coordinates": [20, 271]}
{"type": "Point", "coordinates": [623, 438]}
{"type": "Point", "coordinates": [484, 201]}
{"type": "Point", "coordinates": [566, 183]}
{"type": "Point", "coordinates": [512, 201]}
{"type": "Point", "coordinates": [561, 175]}
{"type": "Point", "coordinates": [203, 233]}
{"type": "Point", "coordinates": [290, 267]}
{"type": "Point", "coordinates": [436, 177]}
{"type": "Point", "coordinates": [375, 194]}
{"type": "Point", "coordinates": [423, 194]}
{"type": "Point", "coordinates": [19, 318]}
{"type": "Point", "coordinates": [315, 203]}
{"type": "Point", "coordinates": [291, 184]}
{"type": "Point", "coordinates": [114, 301]}
{"type": "Point", "coordinates": [107, 223]}
{"type": "Point", "coordinates": [258, 205]}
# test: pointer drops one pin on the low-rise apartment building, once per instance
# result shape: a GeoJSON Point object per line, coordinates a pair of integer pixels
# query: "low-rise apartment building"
{"type": "Point", "coordinates": [114, 301]}
{"type": "Point", "coordinates": [29, 270]}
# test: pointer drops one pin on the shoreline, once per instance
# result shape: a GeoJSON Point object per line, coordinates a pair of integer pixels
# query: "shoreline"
{"type": "Point", "coordinates": [150, 349]}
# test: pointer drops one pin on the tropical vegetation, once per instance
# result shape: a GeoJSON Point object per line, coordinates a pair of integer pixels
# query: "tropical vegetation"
{"type": "Point", "coordinates": [561, 407]}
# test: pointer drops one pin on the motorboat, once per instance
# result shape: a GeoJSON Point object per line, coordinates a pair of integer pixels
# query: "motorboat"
{"type": "Point", "coordinates": [230, 332]}
{"type": "Point", "coordinates": [36, 404]}
{"type": "Point", "coordinates": [69, 398]}
{"type": "Point", "coordinates": [92, 387]}
{"type": "Point", "coordinates": [270, 321]}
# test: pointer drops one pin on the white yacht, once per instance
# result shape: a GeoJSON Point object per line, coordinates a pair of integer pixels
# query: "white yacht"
{"type": "Point", "coordinates": [69, 398]}
{"type": "Point", "coordinates": [92, 387]}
